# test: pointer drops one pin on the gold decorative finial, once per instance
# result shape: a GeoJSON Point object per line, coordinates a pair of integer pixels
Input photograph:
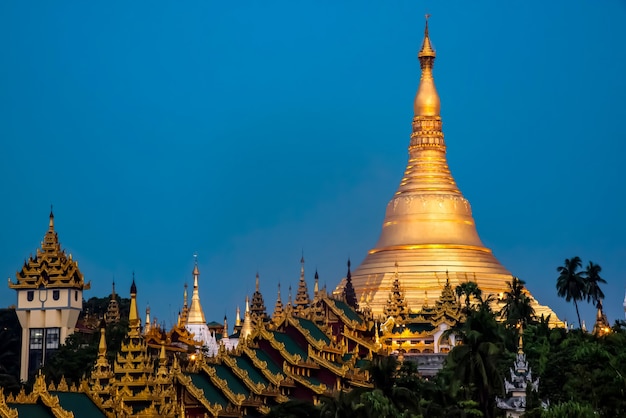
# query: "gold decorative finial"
{"type": "Point", "coordinates": [51, 224]}
{"type": "Point", "coordinates": [427, 101]}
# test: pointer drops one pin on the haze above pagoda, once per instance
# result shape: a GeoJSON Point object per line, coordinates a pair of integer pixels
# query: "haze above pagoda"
{"type": "Point", "coordinates": [429, 233]}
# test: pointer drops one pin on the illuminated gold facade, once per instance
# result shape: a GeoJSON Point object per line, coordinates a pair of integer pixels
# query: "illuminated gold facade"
{"type": "Point", "coordinates": [429, 232]}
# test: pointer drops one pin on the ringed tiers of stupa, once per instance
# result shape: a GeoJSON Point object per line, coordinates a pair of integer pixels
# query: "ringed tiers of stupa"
{"type": "Point", "coordinates": [429, 234]}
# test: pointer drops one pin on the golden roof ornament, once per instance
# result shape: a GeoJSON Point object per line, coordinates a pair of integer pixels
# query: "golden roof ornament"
{"type": "Point", "coordinates": [50, 266]}
{"type": "Point", "coordinates": [427, 101]}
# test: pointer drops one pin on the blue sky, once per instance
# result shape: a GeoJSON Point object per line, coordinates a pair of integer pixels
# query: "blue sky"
{"type": "Point", "coordinates": [251, 132]}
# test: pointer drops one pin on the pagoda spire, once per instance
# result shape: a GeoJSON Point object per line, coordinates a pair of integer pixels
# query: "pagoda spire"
{"type": "Point", "coordinates": [316, 286]}
{"type": "Point", "coordinates": [349, 294]}
{"type": "Point", "coordinates": [134, 322]}
{"type": "Point", "coordinates": [428, 224]}
{"type": "Point", "coordinates": [51, 222]}
{"type": "Point", "coordinates": [196, 314]}
{"type": "Point", "coordinates": [278, 307]}
{"type": "Point", "coordinates": [601, 326]}
{"type": "Point", "coordinates": [427, 101]}
{"type": "Point", "coordinates": [146, 328]}
{"type": "Point", "coordinates": [112, 314]}
{"type": "Point", "coordinates": [302, 295]}
{"type": "Point", "coordinates": [257, 310]}
{"type": "Point", "coordinates": [102, 345]}
{"type": "Point", "coordinates": [246, 329]}
{"type": "Point", "coordinates": [185, 312]}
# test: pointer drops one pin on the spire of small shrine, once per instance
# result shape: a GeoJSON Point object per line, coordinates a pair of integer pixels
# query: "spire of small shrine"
{"type": "Point", "coordinates": [146, 328]}
{"type": "Point", "coordinates": [302, 296]}
{"type": "Point", "coordinates": [238, 317]}
{"type": "Point", "coordinates": [51, 223]}
{"type": "Point", "coordinates": [246, 329]}
{"type": "Point", "coordinates": [185, 312]}
{"type": "Point", "coordinates": [349, 295]}
{"type": "Point", "coordinates": [520, 378]}
{"type": "Point", "coordinates": [396, 304]}
{"type": "Point", "coordinates": [196, 314]}
{"type": "Point", "coordinates": [258, 311]}
{"type": "Point", "coordinates": [601, 326]}
{"type": "Point", "coordinates": [102, 345]}
{"type": "Point", "coordinates": [112, 314]}
{"type": "Point", "coordinates": [278, 307]}
{"type": "Point", "coordinates": [134, 322]}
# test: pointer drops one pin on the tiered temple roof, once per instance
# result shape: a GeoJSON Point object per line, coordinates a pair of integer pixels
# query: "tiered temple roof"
{"type": "Point", "coordinates": [50, 266]}
{"type": "Point", "coordinates": [257, 307]}
{"type": "Point", "coordinates": [302, 296]}
{"type": "Point", "coordinates": [112, 315]}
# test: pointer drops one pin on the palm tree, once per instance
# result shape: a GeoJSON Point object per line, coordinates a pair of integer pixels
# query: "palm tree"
{"type": "Point", "coordinates": [517, 304]}
{"type": "Point", "coordinates": [571, 283]}
{"type": "Point", "coordinates": [468, 289]}
{"type": "Point", "coordinates": [474, 364]}
{"type": "Point", "coordinates": [592, 274]}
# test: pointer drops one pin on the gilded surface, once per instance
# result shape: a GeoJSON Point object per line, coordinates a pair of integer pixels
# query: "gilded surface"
{"type": "Point", "coordinates": [428, 228]}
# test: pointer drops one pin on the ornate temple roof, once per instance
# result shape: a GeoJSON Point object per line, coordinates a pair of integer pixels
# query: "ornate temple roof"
{"type": "Point", "coordinates": [257, 306]}
{"type": "Point", "coordinates": [302, 296]}
{"type": "Point", "coordinates": [50, 266]}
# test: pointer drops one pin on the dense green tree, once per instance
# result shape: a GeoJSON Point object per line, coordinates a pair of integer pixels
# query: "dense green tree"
{"type": "Point", "coordinates": [74, 359]}
{"type": "Point", "coordinates": [571, 283]}
{"type": "Point", "coordinates": [10, 333]}
{"type": "Point", "coordinates": [474, 365]}
{"type": "Point", "coordinates": [294, 408]}
{"type": "Point", "coordinates": [383, 372]}
{"type": "Point", "coordinates": [569, 409]}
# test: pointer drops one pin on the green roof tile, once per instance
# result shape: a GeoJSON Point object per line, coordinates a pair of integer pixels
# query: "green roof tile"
{"type": "Point", "coordinates": [290, 345]}
{"type": "Point", "coordinates": [245, 364]}
{"type": "Point", "coordinates": [31, 410]}
{"type": "Point", "coordinates": [362, 364]}
{"type": "Point", "coordinates": [271, 364]}
{"type": "Point", "coordinates": [234, 384]}
{"type": "Point", "coordinates": [316, 333]}
{"type": "Point", "coordinates": [79, 404]}
{"type": "Point", "coordinates": [348, 311]}
{"type": "Point", "coordinates": [211, 393]}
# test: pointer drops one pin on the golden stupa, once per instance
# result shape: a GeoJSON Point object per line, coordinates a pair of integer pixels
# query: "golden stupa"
{"type": "Point", "coordinates": [429, 234]}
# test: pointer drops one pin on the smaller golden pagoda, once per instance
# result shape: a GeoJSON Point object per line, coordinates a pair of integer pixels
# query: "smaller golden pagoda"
{"type": "Point", "coordinates": [601, 326]}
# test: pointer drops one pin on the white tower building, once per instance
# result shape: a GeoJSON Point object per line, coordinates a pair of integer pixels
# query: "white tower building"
{"type": "Point", "coordinates": [49, 299]}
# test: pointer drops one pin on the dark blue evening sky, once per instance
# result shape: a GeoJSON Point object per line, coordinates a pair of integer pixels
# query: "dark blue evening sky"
{"type": "Point", "coordinates": [251, 131]}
